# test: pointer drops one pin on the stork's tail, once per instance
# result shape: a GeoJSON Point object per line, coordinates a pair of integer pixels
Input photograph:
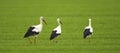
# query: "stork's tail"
{"type": "Point", "coordinates": [26, 35]}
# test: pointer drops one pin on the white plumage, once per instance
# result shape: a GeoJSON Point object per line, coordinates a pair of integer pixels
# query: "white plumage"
{"type": "Point", "coordinates": [56, 31]}
{"type": "Point", "coordinates": [88, 30]}
{"type": "Point", "coordinates": [58, 28]}
{"type": "Point", "coordinates": [35, 30]}
{"type": "Point", "coordinates": [38, 28]}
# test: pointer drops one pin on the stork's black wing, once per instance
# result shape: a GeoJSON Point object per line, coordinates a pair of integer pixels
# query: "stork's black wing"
{"type": "Point", "coordinates": [87, 33]}
{"type": "Point", "coordinates": [30, 32]}
{"type": "Point", "coordinates": [53, 35]}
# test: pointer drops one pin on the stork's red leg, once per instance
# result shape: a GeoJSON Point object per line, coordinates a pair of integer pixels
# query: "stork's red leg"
{"type": "Point", "coordinates": [29, 40]}
{"type": "Point", "coordinates": [35, 40]}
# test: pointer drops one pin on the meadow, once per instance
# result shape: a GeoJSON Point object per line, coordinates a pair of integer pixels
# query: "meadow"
{"type": "Point", "coordinates": [17, 15]}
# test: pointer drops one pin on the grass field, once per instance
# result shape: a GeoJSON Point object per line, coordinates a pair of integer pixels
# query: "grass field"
{"type": "Point", "coordinates": [17, 15]}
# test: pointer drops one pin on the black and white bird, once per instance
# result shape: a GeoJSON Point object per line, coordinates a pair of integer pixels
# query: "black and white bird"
{"type": "Point", "coordinates": [56, 31]}
{"type": "Point", "coordinates": [35, 30]}
{"type": "Point", "coordinates": [88, 30]}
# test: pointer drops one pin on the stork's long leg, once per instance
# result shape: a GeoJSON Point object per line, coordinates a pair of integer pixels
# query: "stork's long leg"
{"type": "Point", "coordinates": [56, 39]}
{"type": "Point", "coordinates": [35, 40]}
{"type": "Point", "coordinates": [30, 40]}
{"type": "Point", "coordinates": [89, 39]}
{"type": "Point", "coordinates": [53, 40]}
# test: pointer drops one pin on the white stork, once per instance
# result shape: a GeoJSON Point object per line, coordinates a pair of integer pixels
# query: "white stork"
{"type": "Point", "coordinates": [56, 32]}
{"type": "Point", "coordinates": [34, 30]}
{"type": "Point", "coordinates": [88, 30]}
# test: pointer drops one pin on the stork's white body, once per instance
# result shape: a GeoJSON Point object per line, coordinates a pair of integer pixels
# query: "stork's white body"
{"type": "Point", "coordinates": [88, 30]}
{"type": "Point", "coordinates": [58, 28]}
{"type": "Point", "coordinates": [89, 26]}
{"type": "Point", "coordinates": [56, 31]}
{"type": "Point", "coordinates": [38, 28]}
{"type": "Point", "coordinates": [34, 30]}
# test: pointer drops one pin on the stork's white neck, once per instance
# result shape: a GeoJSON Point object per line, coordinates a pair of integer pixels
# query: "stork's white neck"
{"type": "Point", "coordinates": [89, 22]}
{"type": "Point", "coordinates": [41, 21]}
{"type": "Point", "coordinates": [59, 23]}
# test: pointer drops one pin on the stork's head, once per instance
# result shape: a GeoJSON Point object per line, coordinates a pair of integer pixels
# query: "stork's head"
{"type": "Point", "coordinates": [59, 21]}
{"type": "Point", "coordinates": [89, 19]}
{"type": "Point", "coordinates": [42, 20]}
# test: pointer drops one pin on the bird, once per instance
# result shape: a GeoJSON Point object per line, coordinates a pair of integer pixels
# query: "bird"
{"type": "Point", "coordinates": [35, 30]}
{"type": "Point", "coordinates": [88, 31]}
{"type": "Point", "coordinates": [56, 32]}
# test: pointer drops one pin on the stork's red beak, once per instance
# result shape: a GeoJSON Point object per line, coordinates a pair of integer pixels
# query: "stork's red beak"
{"type": "Point", "coordinates": [61, 22]}
{"type": "Point", "coordinates": [44, 21]}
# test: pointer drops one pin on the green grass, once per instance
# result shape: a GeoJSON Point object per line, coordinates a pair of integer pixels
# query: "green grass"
{"type": "Point", "coordinates": [17, 16]}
